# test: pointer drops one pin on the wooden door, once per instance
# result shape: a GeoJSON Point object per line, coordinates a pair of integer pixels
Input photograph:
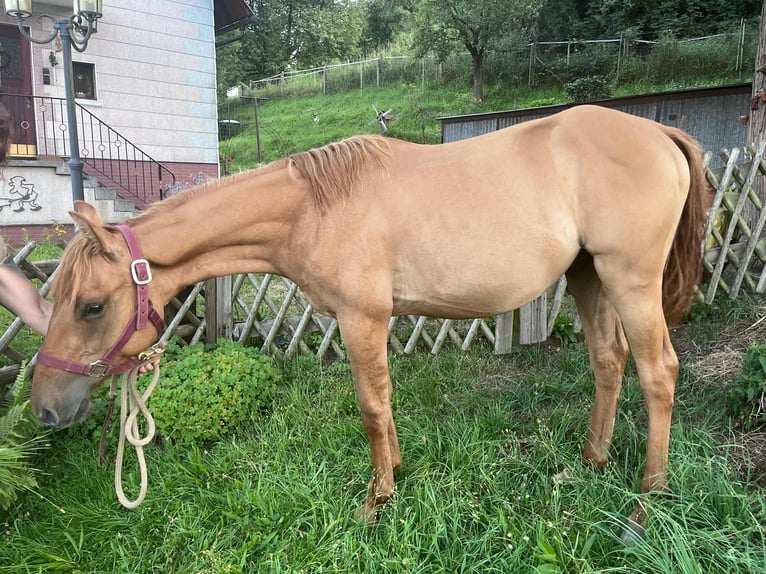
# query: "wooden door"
{"type": "Point", "coordinates": [16, 90]}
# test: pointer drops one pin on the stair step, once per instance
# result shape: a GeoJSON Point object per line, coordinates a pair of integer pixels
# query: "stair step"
{"type": "Point", "coordinates": [104, 192]}
{"type": "Point", "coordinates": [124, 205]}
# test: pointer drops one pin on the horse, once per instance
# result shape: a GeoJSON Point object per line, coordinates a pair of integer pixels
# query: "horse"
{"type": "Point", "coordinates": [371, 227]}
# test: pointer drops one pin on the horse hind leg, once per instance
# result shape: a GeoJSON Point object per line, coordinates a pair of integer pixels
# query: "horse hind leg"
{"type": "Point", "coordinates": [635, 289]}
{"type": "Point", "coordinates": [608, 352]}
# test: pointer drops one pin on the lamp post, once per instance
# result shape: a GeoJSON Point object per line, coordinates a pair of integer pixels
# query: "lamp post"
{"type": "Point", "coordinates": [75, 32]}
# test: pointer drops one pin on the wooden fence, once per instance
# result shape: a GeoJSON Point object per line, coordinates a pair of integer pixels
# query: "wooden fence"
{"type": "Point", "coordinates": [271, 312]}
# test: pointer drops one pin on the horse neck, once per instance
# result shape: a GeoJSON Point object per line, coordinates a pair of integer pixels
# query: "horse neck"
{"type": "Point", "coordinates": [237, 226]}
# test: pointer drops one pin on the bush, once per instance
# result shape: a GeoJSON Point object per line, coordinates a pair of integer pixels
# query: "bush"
{"type": "Point", "coordinates": [588, 89]}
{"type": "Point", "coordinates": [747, 396]}
{"type": "Point", "coordinates": [206, 391]}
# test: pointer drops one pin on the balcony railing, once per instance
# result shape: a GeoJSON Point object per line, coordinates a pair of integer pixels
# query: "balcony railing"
{"type": "Point", "coordinates": [40, 131]}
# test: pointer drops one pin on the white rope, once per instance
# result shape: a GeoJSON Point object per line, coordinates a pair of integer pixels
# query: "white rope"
{"type": "Point", "coordinates": [131, 404]}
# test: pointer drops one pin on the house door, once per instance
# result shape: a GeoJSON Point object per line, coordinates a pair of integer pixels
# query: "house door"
{"type": "Point", "coordinates": [16, 90]}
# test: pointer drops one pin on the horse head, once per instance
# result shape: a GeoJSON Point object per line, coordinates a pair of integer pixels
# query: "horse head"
{"type": "Point", "coordinates": [101, 321]}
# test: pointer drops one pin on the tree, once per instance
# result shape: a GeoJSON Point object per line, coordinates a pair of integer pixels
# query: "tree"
{"type": "Point", "coordinates": [385, 19]}
{"type": "Point", "coordinates": [327, 32]}
{"type": "Point", "coordinates": [757, 123]}
{"type": "Point", "coordinates": [443, 25]}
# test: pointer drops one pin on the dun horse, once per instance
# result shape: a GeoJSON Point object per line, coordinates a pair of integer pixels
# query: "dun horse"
{"type": "Point", "coordinates": [370, 227]}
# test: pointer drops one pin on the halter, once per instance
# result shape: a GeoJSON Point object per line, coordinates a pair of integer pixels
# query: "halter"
{"type": "Point", "coordinates": [142, 276]}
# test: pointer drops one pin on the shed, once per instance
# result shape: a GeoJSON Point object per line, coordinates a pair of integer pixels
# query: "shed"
{"type": "Point", "coordinates": [709, 114]}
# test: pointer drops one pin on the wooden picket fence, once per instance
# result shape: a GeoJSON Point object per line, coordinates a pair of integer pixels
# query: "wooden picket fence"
{"type": "Point", "coordinates": [271, 312]}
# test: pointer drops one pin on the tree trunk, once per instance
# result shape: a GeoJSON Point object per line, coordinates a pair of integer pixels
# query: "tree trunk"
{"type": "Point", "coordinates": [757, 123]}
{"type": "Point", "coordinates": [478, 76]}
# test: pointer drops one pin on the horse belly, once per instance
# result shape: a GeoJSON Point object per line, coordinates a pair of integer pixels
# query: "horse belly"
{"type": "Point", "coordinates": [483, 285]}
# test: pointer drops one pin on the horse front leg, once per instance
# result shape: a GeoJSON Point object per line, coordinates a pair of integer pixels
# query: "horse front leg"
{"type": "Point", "coordinates": [365, 340]}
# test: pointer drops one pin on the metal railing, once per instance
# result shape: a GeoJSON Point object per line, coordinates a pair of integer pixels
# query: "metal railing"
{"type": "Point", "coordinates": [40, 130]}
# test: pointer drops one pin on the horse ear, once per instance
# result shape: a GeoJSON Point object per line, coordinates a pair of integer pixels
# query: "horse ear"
{"type": "Point", "coordinates": [90, 224]}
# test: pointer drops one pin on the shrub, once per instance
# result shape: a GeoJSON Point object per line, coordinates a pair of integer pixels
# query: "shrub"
{"type": "Point", "coordinates": [747, 396]}
{"type": "Point", "coordinates": [206, 391]}
{"type": "Point", "coordinates": [588, 89]}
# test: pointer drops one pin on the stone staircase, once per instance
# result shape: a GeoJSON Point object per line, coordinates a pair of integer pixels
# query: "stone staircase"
{"type": "Point", "coordinates": [113, 209]}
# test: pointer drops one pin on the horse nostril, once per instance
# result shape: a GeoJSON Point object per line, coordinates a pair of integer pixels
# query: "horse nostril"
{"type": "Point", "coordinates": [48, 417]}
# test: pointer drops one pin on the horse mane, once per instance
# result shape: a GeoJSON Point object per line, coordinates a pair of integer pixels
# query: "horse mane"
{"type": "Point", "coordinates": [76, 266]}
{"type": "Point", "coordinates": [332, 170]}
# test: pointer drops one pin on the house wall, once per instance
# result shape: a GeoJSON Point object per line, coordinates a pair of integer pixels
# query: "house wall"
{"type": "Point", "coordinates": [154, 74]}
{"type": "Point", "coordinates": [155, 84]}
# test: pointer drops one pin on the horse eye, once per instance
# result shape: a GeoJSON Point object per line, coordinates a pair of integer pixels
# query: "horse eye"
{"type": "Point", "coordinates": [93, 310]}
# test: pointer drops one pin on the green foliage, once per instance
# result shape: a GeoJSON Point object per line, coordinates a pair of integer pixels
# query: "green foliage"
{"type": "Point", "coordinates": [588, 89]}
{"type": "Point", "coordinates": [747, 395]}
{"type": "Point", "coordinates": [563, 330]}
{"type": "Point", "coordinates": [18, 441]}
{"type": "Point", "coordinates": [208, 391]}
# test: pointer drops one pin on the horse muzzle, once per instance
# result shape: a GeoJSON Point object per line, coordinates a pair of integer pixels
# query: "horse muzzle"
{"type": "Point", "coordinates": [60, 400]}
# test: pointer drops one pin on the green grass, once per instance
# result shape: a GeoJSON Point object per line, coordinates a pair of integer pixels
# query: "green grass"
{"type": "Point", "coordinates": [293, 124]}
{"type": "Point", "coordinates": [482, 437]}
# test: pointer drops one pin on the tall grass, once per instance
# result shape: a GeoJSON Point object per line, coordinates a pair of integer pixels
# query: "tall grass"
{"type": "Point", "coordinates": [482, 437]}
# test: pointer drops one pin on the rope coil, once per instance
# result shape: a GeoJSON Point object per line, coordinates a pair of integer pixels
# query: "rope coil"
{"type": "Point", "coordinates": [132, 404]}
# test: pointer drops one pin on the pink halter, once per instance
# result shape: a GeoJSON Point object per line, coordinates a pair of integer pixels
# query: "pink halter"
{"type": "Point", "coordinates": [142, 276]}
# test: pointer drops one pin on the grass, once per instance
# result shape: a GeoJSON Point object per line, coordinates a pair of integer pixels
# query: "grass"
{"type": "Point", "coordinates": [482, 437]}
{"type": "Point", "coordinates": [293, 124]}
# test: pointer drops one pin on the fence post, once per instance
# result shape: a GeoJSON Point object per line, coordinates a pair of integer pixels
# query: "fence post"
{"type": "Point", "coordinates": [503, 333]}
{"type": "Point", "coordinates": [218, 315]}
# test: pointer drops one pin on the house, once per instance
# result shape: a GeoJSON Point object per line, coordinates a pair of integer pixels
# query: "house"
{"type": "Point", "coordinates": [145, 104]}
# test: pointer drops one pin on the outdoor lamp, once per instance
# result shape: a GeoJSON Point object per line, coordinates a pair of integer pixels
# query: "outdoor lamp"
{"type": "Point", "coordinates": [18, 8]}
{"type": "Point", "coordinates": [90, 9]}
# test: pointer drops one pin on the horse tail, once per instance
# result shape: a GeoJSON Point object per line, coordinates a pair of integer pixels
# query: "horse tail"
{"type": "Point", "coordinates": [683, 269]}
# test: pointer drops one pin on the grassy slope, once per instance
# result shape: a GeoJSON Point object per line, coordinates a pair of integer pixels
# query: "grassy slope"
{"type": "Point", "coordinates": [290, 125]}
{"type": "Point", "coordinates": [482, 436]}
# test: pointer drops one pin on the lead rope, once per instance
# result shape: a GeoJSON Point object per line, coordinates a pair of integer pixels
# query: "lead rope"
{"type": "Point", "coordinates": [132, 402]}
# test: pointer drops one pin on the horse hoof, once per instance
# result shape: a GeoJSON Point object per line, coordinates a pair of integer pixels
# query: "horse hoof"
{"type": "Point", "coordinates": [366, 516]}
{"type": "Point", "coordinates": [632, 534]}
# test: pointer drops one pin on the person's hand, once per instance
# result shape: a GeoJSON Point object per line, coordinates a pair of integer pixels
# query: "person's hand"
{"type": "Point", "coordinates": [147, 367]}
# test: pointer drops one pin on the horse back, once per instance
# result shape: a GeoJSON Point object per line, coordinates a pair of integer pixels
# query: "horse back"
{"type": "Point", "coordinates": [486, 224]}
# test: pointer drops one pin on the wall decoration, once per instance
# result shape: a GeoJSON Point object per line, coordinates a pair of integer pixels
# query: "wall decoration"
{"type": "Point", "coordinates": [20, 196]}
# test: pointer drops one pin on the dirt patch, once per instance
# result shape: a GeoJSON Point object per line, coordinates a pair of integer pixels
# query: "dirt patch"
{"type": "Point", "coordinates": [718, 363]}
{"type": "Point", "coordinates": [747, 456]}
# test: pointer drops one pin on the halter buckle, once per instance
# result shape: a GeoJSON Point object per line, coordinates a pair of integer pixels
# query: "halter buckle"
{"type": "Point", "coordinates": [134, 271]}
{"type": "Point", "coordinates": [97, 369]}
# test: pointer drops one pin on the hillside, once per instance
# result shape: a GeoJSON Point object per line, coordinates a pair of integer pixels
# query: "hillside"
{"type": "Point", "coordinates": [292, 124]}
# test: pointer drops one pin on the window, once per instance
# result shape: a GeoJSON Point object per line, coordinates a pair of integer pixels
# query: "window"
{"type": "Point", "coordinates": [84, 80]}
